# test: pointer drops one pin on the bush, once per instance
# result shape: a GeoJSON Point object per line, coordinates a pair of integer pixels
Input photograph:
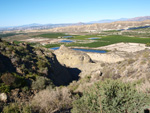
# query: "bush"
{"type": "Point", "coordinates": [51, 101]}
{"type": "Point", "coordinates": [8, 78]}
{"type": "Point", "coordinates": [19, 82]}
{"type": "Point", "coordinates": [17, 108]}
{"type": "Point", "coordinates": [43, 62]}
{"type": "Point", "coordinates": [41, 83]}
{"type": "Point", "coordinates": [111, 96]}
{"type": "Point", "coordinates": [4, 88]}
{"type": "Point", "coordinates": [12, 108]}
{"type": "Point", "coordinates": [13, 80]}
{"type": "Point", "coordinates": [148, 44]}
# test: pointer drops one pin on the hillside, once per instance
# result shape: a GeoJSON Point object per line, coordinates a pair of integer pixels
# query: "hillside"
{"type": "Point", "coordinates": [142, 18]}
{"type": "Point", "coordinates": [102, 26]}
{"type": "Point", "coordinates": [32, 80]}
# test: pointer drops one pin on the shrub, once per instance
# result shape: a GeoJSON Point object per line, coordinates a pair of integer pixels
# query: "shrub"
{"type": "Point", "coordinates": [41, 83]}
{"type": "Point", "coordinates": [8, 78]}
{"type": "Point", "coordinates": [17, 108]}
{"type": "Point", "coordinates": [42, 62]}
{"type": "Point", "coordinates": [12, 108]}
{"type": "Point", "coordinates": [111, 96]}
{"type": "Point", "coordinates": [4, 88]}
{"type": "Point", "coordinates": [148, 44]}
{"type": "Point", "coordinates": [13, 80]}
{"type": "Point", "coordinates": [53, 101]}
{"type": "Point", "coordinates": [19, 82]}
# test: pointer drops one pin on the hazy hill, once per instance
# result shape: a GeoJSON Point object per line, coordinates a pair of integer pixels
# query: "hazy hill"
{"type": "Point", "coordinates": [142, 18]}
{"type": "Point", "coordinates": [35, 26]}
{"type": "Point", "coordinates": [102, 26]}
{"type": "Point", "coordinates": [108, 20]}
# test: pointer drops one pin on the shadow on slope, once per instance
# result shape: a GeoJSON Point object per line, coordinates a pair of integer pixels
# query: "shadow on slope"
{"type": "Point", "coordinates": [6, 64]}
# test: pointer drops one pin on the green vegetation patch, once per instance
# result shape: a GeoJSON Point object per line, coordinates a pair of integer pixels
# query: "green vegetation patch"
{"type": "Point", "coordinates": [30, 62]}
{"type": "Point", "coordinates": [103, 41]}
{"type": "Point", "coordinates": [107, 40]}
{"type": "Point", "coordinates": [111, 96]}
{"type": "Point", "coordinates": [18, 42]}
{"type": "Point", "coordinates": [111, 31]}
{"type": "Point", "coordinates": [9, 34]}
{"type": "Point", "coordinates": [51, 35]}
{"type": "Point", "coordinates": [85, 37]}
{"type": "Point", "coordinates": [52, 45]}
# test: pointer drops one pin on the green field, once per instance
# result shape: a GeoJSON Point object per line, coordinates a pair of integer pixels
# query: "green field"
{"type": "Point", "coordinates": [83, 41]}
{"type": "Point", "coordinates": [104, 41]}
{"type": "Point", "coordinates": [85, 37]}
{"type": "Point", "coordinates": [9, 34]}
{"type": "Point", "coordinates": [18, 42]}
{"type": "Point", "coordinates": [107, 40]}
{"type": "Point", "coordinates": [56, 35]}
{"type": "Point", "coordinates": [51, 35]}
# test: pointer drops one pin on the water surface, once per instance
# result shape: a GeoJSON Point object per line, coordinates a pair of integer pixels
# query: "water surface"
{"type": "Point", "coordinates": [90, 50]}
{"type": "Point", "coordinates": [67, 36]}
{"type": "Point", "coordinates": [93, 38]}
{"type": "Point", "coordinates": [85, 50]}
{"type": "Point", "coordinates": [66, 41]}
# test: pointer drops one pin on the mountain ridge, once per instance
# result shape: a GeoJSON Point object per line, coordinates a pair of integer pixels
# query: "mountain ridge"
{"type": "Point", "coordinates": [98, 27]}
{"type": "Point", "coordinates": [34, 26]}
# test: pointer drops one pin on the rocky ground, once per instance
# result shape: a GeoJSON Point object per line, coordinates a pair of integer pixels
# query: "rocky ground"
{"type": "Point", "coordinates": [114, 64]}
{"type": "Point", "coordinates": [32, 76]}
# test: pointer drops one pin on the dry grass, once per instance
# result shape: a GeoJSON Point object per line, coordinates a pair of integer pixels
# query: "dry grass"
{"type": "Point", "coordinates": [52, 101]}
{"type": "Point", "coordinates": [144, 87]}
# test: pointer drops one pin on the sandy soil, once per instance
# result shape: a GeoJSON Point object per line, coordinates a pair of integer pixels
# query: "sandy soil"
{"type": "Point", "coordinates": [118, 52]}
{"type": "Point", "coordinates": [126, 47]}
{"type": "Point", "coordinates": [107, 57]}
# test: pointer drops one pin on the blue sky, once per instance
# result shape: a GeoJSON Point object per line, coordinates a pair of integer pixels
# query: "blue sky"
{"type": "Point", "coordinates": [20, 12]}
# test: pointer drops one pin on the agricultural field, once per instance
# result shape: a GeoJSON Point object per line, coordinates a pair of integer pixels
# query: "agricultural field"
{"type": "Point", "coordinates": [110, 37]}
{"type": "Point", "coordinates": [103, 41]}
{"type": "Point", "coordinates": [51, 35]}
{"type": "Point", "coordinates": [107, 40]}
{"type": "Point", "coordinates": [9, 34]}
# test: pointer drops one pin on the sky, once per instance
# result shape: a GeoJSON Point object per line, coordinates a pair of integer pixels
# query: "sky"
{"type": "Point", "coordinates": [22, 12]}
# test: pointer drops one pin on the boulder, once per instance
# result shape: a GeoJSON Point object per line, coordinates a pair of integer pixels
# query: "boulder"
{"type": "Point", "coordinates": [71, 57]}
{"type": "Point", "coordinates": [3, 97]}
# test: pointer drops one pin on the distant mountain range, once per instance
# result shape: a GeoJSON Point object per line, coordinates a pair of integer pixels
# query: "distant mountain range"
{"type": "Point", "coordinates": [98, 27]}
{"type": "Point", "coordinates": [108, 20]}
{"type": "Point", "coordinates": [50, 26]}
{"type": "Point", "coordinates": [142, 18]}
{"type": "Point", "coordinates": [139, 18]}
{"type": "Point", "coordinates": [35, 26]}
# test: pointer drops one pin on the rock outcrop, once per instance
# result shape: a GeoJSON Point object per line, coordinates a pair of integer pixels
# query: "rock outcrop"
{"type": "Point", "coordinates": [3, 97]}
{"type": "Point", "coordinates": [60, 75]}
{"type": "Point", "coordinates": [71, 57]}
{"type": "Point", "coordinates": [80, 61]}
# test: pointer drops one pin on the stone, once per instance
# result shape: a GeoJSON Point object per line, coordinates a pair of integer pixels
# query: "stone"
{"type": "Point", "coordinates": [3, 97]}
{"type": "Point", "coordinates": [71, 57]}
